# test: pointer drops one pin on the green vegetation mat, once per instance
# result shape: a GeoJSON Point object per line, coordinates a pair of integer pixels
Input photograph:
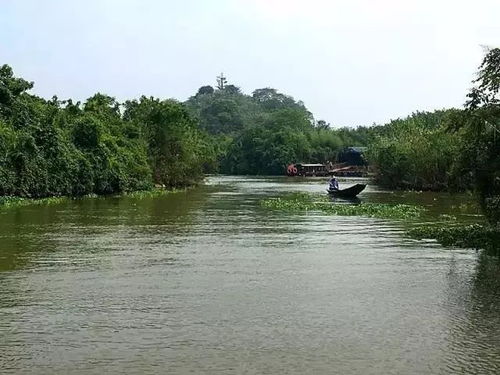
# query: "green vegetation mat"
{"type": "Point", "coordinates": [12, 202]}
{"type": "Point", "coordinates": [447, 233]}
{"type": "Point", "coordinates": [476, 236]}
{"type": "Point", "coordinates": [9, 202]}
{"type": "Point", "coordinates": [157, 192]}
{"type": "Point", "coordinates": [311, 202]}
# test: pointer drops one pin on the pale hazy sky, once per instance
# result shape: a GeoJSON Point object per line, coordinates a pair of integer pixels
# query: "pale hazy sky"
{"type": "Point", "coordinates": [352, 62]}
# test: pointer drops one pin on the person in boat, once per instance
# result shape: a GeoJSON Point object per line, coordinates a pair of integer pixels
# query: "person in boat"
{"type": "Point", "coordinates": [333, 184]}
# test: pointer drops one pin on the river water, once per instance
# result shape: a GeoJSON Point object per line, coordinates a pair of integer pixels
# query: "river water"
{"type": "Point", "coordinates": [208, 282]}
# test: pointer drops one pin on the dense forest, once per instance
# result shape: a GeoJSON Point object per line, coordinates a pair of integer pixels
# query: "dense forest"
{"type": "Point", "coordinates": [61, 147]}
{"type": "Point", "coordinates": [263, 132]}
{"type": "Point", "coordinates": [53, 147]}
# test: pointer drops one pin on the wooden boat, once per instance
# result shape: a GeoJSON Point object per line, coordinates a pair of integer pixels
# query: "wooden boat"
{"type": "Point", "coordinates": [350, 192]}
{"type": "Point", "coordinates": [307, 170]}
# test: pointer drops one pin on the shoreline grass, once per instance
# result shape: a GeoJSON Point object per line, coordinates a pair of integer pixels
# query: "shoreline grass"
{"type": "Point", "coordinates": [7, 202]}
{"type": "Point", "coordinates": [12, 202]}
{"type": "Point", "coordinates": [152, 193]}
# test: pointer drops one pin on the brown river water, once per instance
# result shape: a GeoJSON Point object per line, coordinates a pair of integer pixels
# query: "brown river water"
{"type": "Point", "coordinates": [208, 282]}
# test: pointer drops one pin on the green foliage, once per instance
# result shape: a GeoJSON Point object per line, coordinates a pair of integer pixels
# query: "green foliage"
{"type": "Point", "coordinates": [264, 132]}
{"type": "Point", "coordinates": [177, 150]}
{"type": "Point", "coordinates": [480, 126]}
{"type": "Point", "coordinates": [86, 133]}
{"type": "Point", "coordinates": [56, 148]}
{"type": "Point", "coordinates": [10, 89]}
{"type": "Point", "coordinates": [475, 236]}
{"type": "Point", "coordinates": [153, 193]}
{"type": "Point", "coordinates": [309, 202]}
{"type": "Point", "coordinates": [453, 149]}
{"type": "Point", "coordinates": [223, 111]}
{"type": "Point", "coordinates": [419, 153]}
{"type": "Point", "coordinates": [12, 202]}
{"type": "Point", "coordinates": [270, 99]}
{"type": "Point", "coordinates": [274, 141]}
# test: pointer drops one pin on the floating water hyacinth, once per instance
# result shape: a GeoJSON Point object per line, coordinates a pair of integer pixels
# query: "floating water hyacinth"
{"type": "Point", "coordinates": [311, 202]}
{"type": "Point", "coordinates": [476, 236]}
{"type": "Point", "coordinates": [9, 202]}
{"type": "Point", "coordinates": [156, 192]}
{"type": "Point", "coordinates": [12, 202]}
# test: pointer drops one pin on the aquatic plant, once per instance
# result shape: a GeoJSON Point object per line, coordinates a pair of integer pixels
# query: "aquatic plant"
{"type": "Point", "coordinates": [10, 202]}
{"type": "Point", "coordinates": [446, 217]}
{"type": "Point", "coordinates": [291, 202]}
{"type": "Point", "coordinates": [310, 202]}
{"type": "Point", "coordinates": [446, 232]}
{"type": "Point", "coordinates": [476, 236]}
{"type": "Point", "coordinates": [156, 192]}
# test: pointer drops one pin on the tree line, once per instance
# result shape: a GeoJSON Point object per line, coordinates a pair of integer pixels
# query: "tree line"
{"type": "Point", "coordinates": [455, 149]}
{"type": "Point", "coordinates": [101, 146]}
{"type": "Point", "coordinates": [263, 132]}
{"type": "Point", "coordinates": [59, 147]}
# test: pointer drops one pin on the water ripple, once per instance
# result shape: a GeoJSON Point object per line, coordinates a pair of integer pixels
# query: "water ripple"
{"type": "Point", "coordinates": [208, 282]}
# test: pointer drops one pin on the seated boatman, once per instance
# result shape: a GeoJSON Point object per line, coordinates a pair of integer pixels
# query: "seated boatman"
{"type": "Point", "coordinates": [334, 184]}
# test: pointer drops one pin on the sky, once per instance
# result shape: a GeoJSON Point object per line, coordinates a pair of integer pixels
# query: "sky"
{"type": "Point", "coordinates": [352, 62]}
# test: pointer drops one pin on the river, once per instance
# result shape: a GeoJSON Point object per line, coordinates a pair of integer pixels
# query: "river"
{"type": "Point", "coordinates": [208, 282]}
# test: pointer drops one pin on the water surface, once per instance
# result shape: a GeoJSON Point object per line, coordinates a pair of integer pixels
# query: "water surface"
{"type": "Point", "coordinates": [206, 281]}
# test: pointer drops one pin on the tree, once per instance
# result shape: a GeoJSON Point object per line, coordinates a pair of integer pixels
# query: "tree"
{"type": "Point", "coordinates": [10, 88]}
{"type": "Point", "coordinates": [481, 123]}
{"type": "Point", "coordinates": [417, 152]}
{"type": "Point", "coordinates": [322, 124]}
{"type": "Point", "coordinates": [263, 132]}
{"type": "Point", "coordinates": [269, 145]}
{"type": "Point", "coordinates": [205, 90]}
{"type": "Point", "coordinates": [54, 147]}
{"type": "Point", "coordinates": [225, 112]}
{"type": "Point", "coordinates": [270, 99]}
{"type": "Point", "coordinates": [232, 89]}
{"type": "Point", "coordinates": [177, 149]}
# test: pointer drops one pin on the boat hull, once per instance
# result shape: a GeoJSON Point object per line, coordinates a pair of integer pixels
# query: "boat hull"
{"type": "Point", "coordinates": [350, 192]}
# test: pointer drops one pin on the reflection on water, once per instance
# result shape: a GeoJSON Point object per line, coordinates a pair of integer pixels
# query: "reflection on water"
{"type": "Point", "coordinates": [206, 281]}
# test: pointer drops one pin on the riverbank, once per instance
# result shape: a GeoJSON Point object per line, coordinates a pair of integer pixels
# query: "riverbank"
{"type": "Point", "coordinates": [13, 202]}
